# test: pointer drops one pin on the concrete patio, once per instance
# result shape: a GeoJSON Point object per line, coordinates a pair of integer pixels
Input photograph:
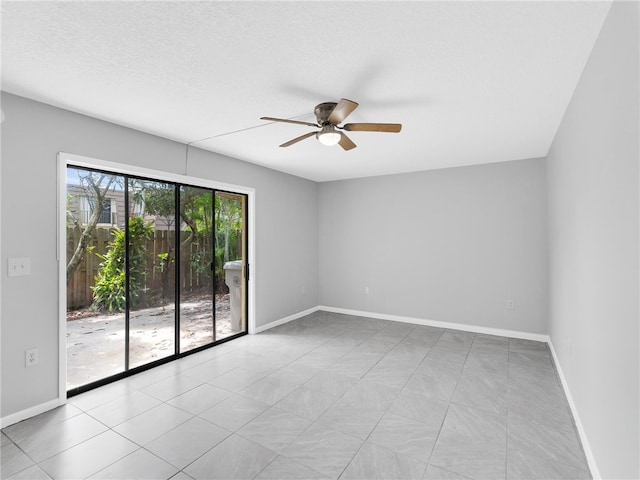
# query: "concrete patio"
{"type": "Point", "coordinates": [96, 344]}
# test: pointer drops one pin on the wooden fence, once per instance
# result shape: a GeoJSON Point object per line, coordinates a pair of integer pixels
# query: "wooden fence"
{"type": "Point", "coordinates": [192, 276]}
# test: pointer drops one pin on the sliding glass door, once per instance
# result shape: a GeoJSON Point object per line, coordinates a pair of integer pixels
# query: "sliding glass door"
{"type": "Point", "coordinates": [96, 291]}
{"type": "Point", "coordinates": [197, 301]}
{"type": "Point", "coordinates": [155, 270]}
{"type": "Point", "coordinates": [230, 264]}
{"type": "Point", "coordinates": [151, 238]}
{"type": "Point", "coordinates": [213, 266]}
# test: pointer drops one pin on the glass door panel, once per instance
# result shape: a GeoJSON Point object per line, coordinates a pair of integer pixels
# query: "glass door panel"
{"type": "Point", "coordinates": [196, 275]}
{"type": "Point", "coordinates": [151, 259]}
{"type": "Point", "coordinates": [95, 263]}
{"type": "Point", "coordinates": [230, 264]}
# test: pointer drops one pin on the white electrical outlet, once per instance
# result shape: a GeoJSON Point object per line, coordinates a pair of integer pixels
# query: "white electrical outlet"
{"type": "Point", "coordinates": [510, 304]}
{"type": "Point", "coordinates": [31, 357]}
{"type": "Point", "coordinates": [366, 290]}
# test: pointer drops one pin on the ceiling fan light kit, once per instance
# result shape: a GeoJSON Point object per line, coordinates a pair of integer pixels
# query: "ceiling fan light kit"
{"type": "Point", "coordinates": [329, 116]}
{"type": "Point", "coordinates": [329, 136]}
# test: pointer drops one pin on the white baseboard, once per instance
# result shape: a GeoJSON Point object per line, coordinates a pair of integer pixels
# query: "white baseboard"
{"type": "Point", "coordinates": [448, 325]}
{"type": "Point", "coordinates": [595, 473]}
{"type": "Point", "coordinates": [284, 320]}
{"type": "Point", "coordinates": [30, 412]}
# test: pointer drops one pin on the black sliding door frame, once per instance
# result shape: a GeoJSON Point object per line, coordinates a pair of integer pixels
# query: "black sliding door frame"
{"type": "Point", "coordinates": [177, 351]}
{"type": "Point", "coordinates": [127, 279]}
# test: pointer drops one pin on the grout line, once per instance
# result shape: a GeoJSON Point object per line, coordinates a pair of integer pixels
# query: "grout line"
{"type": "Point", "coordinates": [438, 436]}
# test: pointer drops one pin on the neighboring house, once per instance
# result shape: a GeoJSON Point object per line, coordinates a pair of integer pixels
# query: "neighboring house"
{"type": "Point", "coordinates": [80, 205]}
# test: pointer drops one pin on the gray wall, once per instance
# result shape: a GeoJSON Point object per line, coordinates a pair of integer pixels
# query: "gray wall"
{"type": "Point", "coordinates": [32, 135]}
{"type": "Point", "coordinates": [447, 245]}
{"type": "Point", "coordinates": [593, 232]}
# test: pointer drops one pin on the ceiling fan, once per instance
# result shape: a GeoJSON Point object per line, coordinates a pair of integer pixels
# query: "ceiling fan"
{"type": "Point", "coordinates": [329, 115]}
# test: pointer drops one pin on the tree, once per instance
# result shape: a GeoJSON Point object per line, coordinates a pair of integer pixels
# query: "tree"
{"type": "Point", "coordinates": [97, 186]}
{"type": "Point", "coordinates": [159, 199]}
{"type": "Point", "coordinates": [228, 222]}
{"type": "Point", "coordinates": [195, 210]}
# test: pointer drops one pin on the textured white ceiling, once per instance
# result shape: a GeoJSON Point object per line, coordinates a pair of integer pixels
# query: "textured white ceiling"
{"type": "Point", "coordinates": [471, 82]}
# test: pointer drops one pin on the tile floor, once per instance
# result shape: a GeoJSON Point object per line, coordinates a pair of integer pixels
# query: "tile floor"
{"type": "Point", "coordinates": [327, 396]}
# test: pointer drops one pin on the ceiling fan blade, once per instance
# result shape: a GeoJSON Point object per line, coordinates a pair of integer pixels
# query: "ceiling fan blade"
{"type": "Point", "coordinates": [342, 111]}
{"type": "Point", "coordinates": [297, 139]}
{"type": "Point", "coordinates": [285, 120]}
{"type": "Point", "coordinates": [346, 143]}
{"type": "Point", "coordinates": [373, 127]}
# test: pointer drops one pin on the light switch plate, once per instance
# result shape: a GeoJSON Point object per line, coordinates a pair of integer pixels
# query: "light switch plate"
{"type": "Point", "coordinates": [19, 266]}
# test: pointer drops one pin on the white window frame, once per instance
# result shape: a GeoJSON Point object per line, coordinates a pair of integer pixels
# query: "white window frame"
{"type": "Point", "coordinates": [85, 206]}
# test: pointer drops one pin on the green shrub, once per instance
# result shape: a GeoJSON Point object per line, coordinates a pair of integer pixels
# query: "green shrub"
{"type": "Point", "coordinates": [109, 292]}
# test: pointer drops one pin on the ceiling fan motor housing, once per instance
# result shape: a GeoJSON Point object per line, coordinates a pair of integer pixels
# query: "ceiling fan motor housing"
{"type": "Point", "coordinates": [323, 111]}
